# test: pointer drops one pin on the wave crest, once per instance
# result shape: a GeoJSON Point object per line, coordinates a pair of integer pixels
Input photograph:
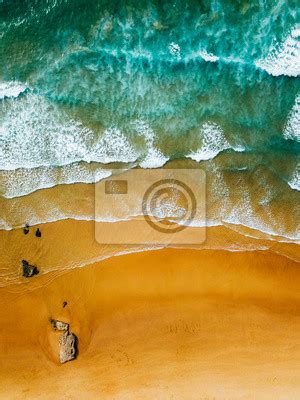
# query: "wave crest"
{"type": "Point", "coordinates": [284, 59]}
{"type": "Point", "coordinates": [11, 89]}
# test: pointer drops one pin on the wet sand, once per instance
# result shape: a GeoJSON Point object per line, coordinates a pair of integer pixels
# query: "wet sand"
{"type": "Point", "coordinates": [166, 324]}
{"type": "Point", "coordinates": [68, 244]}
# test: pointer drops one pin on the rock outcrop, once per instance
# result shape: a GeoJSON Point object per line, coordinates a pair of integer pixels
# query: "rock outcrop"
{"type": "Point", "coordinates": [68, 347]}
{"type": "Point", "coordinates": [67, 341]}
{"type": "Point", "coordinates": [59, 325]}
{"type": "Point", "coordinates": [38, 233]}
{"type": "Point", "coordinates": [28, 269]}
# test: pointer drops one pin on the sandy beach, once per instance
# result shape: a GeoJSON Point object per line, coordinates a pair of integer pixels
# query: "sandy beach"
{"type": "Point", "coordinates": [164, 324]}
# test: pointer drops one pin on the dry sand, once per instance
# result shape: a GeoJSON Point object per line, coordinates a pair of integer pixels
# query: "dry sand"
{"type": "Point", "coordinates": [167, 324]}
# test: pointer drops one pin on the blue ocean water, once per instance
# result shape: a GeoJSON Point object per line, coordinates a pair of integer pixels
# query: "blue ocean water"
{"type": "Point", "coordinates": [141, 83]}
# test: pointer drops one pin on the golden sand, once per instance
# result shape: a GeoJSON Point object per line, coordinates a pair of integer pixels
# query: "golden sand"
{"type": "Point", "coordinates": [168, 324]}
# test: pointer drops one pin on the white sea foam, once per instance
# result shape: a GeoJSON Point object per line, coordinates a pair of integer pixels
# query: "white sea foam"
{"type": "Point", "coordinates": [205, 55]}
{"type": "Point", "coordinates": [208, 56]}
{"type": "Point", "coordinates": [294, 182]}
{"type": "Point", "coordinates": [175, 49]}
{"type": "Point", "coordinates": [11, 89]}
{"type": "Point", "coordinates": [213, 142]}
{"type": "Point", "coordinates": [292, 127]}
{"type": "Point", "coordinates": [243, 214]}
{"type": "Point", "coordinates": [37, 141]}
{"type": "Point", "coordinates": [35, 133]}
{"type": "Point", "coordinates": [24, 181]}
{"type": "Point", "coordinates": [112, 147]}
{"type": "Point", "coordinates": [154, 158]}
{"type": "Point", "coordinates": [284, 58]}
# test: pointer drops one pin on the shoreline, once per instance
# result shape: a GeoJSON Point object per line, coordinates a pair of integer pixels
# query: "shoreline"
{"type": "Point", "coordinates": [70, 244]}
{"type": "Point", "coordinates": [246, 206]}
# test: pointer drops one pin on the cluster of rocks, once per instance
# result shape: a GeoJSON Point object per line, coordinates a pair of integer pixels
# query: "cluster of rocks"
{"type": "Point", "coordinates": [67, 341]}
{"type": "Point", "coordinates": [28, 269]}
{"type": "Point", "coordinates": [38, 233]}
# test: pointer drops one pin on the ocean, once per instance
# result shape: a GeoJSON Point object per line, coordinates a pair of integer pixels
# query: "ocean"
{"type": "Point", "coordinates": [87, 87]}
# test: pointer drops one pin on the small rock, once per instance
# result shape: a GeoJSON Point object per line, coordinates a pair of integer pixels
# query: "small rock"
{"type": "Point", "coordinates": [65, 303]}
{"type": "Point", "coordinates": [68, 347]}
{"type": "Point", "coordinates": [38, 233]}
{"type": "Point", "coordinates": [29, 270]}
{"type": "Point", "coordinates": [26, 229]}
{"type": "Point", "coordinates": [59, 325]}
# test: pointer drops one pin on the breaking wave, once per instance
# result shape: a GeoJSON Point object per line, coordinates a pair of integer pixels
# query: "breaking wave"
{"type": "Point", "coordinates": [11, 89]}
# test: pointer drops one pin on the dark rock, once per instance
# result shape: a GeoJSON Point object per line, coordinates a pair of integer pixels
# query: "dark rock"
{"type": "Point", "coordinates": [59, 325]}
{"type": "Point", "coordinates": [26, 229]}
{"type": "Point", "coordinates": [65, 303]}
{"type": "Point", "coordinates": [68, 347]}
{"type": "Point", "coordinates": [29, 270]}
{"type": "Point", "coordinates": [38, 233]}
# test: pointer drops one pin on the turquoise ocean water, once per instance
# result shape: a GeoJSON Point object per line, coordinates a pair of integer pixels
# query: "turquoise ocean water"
{"type": "Point", "coordinates": [84, 84]}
